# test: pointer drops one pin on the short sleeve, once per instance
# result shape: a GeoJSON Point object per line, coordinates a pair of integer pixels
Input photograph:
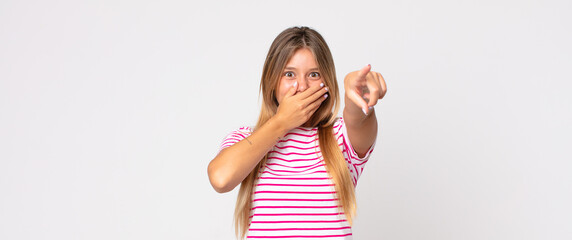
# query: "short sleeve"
{"type": "Point", "coordinates": [355, 163]}
{"type": "Point", "coordinates": [235, 136]}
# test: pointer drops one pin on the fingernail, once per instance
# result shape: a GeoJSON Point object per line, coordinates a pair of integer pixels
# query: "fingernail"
{"type": "Point", "coordinates": [321, 84]}
{"type": "Point", "coordinates": [370, 108]}
{"type": "Point", "coordinates": [326, 89]}
{"type": "Point", "coordinates": [364, 111]}
{"type": "Point", "coordinates": [326, 95]}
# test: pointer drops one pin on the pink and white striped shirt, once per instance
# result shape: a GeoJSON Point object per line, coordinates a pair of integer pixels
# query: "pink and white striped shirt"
{"type": "Point", "coordinates": [294, 197]}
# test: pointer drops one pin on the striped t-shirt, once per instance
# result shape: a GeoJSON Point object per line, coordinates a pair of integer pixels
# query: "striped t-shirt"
{"type": "Point", "coordinates": [294, 197]}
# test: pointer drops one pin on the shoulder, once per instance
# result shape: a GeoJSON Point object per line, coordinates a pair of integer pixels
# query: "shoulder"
{"type": "Point", "coordinates": [235, 136]}
{"type": "Point", "coordinates": [244, 129]}
{"type": "Point", "coordinates": [242, 132]}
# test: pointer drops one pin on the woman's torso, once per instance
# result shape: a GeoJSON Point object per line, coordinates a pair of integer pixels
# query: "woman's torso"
{"type": "Point", "coordinates": [294, 197]}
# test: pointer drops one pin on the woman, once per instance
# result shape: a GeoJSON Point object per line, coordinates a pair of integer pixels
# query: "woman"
{"type": "Point", "coordinates": [297, 168]}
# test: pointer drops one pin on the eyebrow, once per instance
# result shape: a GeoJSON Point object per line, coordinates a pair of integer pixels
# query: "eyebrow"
{"type": "Point", "coordinates": [293, 68]}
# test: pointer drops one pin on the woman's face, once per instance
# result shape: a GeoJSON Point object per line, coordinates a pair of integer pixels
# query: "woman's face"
{"type": "Point", "coordinates": [301, 68]}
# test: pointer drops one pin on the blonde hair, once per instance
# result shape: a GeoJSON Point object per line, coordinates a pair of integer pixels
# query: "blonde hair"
{"type": "Point", "coordinates": [281, 50]}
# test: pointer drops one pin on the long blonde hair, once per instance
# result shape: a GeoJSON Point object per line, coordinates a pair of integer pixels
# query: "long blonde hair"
{"type": "Point", "coordinates": [281, 50]}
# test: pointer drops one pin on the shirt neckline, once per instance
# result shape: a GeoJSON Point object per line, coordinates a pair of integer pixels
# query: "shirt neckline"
{"type": "Point", "coordinates": [307, 128]}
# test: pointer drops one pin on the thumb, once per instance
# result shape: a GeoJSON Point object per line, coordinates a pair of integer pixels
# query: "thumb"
{"type": "Point", "coordinates": [363, 72]}
{"type": "Point", "coordinates": [357, 100]}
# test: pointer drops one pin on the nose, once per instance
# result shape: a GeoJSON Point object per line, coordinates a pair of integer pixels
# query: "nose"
{"type": "Point", "coordinates": [302, 84]}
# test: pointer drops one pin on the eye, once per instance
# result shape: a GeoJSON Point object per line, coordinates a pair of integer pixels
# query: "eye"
{"type": "Point", "coordinates": [289, 74]}
{"type": "Point", "coordinates": [314, 75]}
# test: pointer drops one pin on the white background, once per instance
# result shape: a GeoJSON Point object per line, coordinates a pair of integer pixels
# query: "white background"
{"type": "Point", "coordinates": [111, 110]}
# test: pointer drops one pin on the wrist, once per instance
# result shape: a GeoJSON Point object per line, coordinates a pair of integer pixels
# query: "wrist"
{"type": "Point", "coordinates": [278, 126]}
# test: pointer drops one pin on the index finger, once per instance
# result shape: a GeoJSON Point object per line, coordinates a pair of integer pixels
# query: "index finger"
{"type": "Point", "coordinates": [362, 74]}
{"type": "Point", "coordinates": [310, 91]}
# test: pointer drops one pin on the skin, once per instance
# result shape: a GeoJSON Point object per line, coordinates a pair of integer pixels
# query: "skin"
{"type": "Point", "coordinates": [300, 74]}
{"type": "Point", "coordinates": [299, 94]}
{"type": "Point", "coordinates": [363, 89]}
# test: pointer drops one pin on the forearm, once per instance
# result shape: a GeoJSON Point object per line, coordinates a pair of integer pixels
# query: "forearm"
{"type": "Point", "coordinates": [234, 163]}
{"type": "Point", "coordinates": [362, 129]}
